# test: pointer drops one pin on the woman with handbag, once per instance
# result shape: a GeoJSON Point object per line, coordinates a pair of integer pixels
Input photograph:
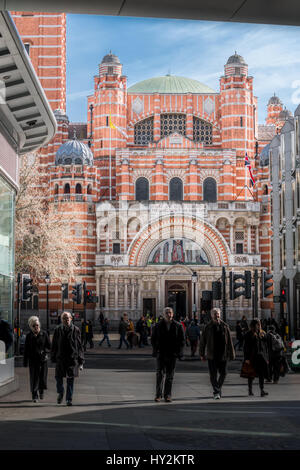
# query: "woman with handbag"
{"type": "Point", "coordinates": [256, 356]}
{"type": "Point", "coordinates": [37, 347]}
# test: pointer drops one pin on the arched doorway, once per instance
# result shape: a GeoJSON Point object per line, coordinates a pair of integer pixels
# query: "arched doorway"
{"type": "Point", "coordinates": [178, 298]}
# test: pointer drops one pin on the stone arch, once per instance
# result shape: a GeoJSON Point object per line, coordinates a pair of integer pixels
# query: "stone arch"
{"type": "Point", "coordinates": [198, 230]}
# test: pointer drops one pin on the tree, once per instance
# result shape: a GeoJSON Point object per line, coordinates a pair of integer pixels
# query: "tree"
{"type": "Point", "coordinates": [43, 241]}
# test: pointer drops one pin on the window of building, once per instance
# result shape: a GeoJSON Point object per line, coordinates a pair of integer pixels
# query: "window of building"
{"type": "Point", "coordinates": [56, 189]}
{"type": "Point", "coordinates": [78, 259]}
{"type": "Point", "coordinates": [89, 189]}
{"type": "Point", "coordinates": [142, 189]}
{"type": "Point", "coordinates": [176, 189]}
{"type": "Point", "coordinates": [239, 248]}
{"type": "Point", "coordinates": [209, 190]}
{"type": "Point", "coordinates": [116, 248]}
{"type": "Point", "coordinates": [202, 131]}
{"type": "Point", "coordinates": [67, 188]}
{"type": "Point", "coordinates": [143, 132]}
{"type": "Point", "coordinates": [110, 70]}
{"type": "Point", "coordinates": [27, 47]}
{"type": "Point", "coordinates": [170, 123]}
{"type": "Point", "coordinates": [78, 188]}
{"type": "Point", "coordinates": [241, 121]}
{"type": "Point", "coordinates": [237, 70]}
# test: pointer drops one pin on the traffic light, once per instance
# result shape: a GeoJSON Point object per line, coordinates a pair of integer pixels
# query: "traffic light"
{"type": "Point", "coordinates": [77, 293]}
{"type": "Point", "coordinates": [89, 296]}
{"type": "Point", "coordinates": [26, 287]}
{"type": "Point", "coordinates": [234, 286]}
{"type": "Point", "coordinates": [283, 295]}
{"type": "Point", "coordinates": [266, 285]}
{"type": "Point", "coordinates": [217, 290]}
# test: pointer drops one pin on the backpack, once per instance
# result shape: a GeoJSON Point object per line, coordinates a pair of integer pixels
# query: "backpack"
{"type": "Point", "coordinates": [277, 343]}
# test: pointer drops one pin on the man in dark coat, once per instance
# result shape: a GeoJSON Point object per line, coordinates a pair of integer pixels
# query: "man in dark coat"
{"type": "Point", "coordinates": [123, 328]}
{"type": "Point", "coordinates": [168, 342]}
{"type": "Point", "coordinates": [67, 353]}
{"type": "Point", "coordinates": [217, 342]}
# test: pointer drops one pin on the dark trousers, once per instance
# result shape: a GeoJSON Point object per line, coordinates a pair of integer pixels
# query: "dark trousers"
{"type": "Point", "coordinates": [60, 387]}
{"type": "Point", "coordinates": [215, 366]}
{"type": "Point", "coordinates": [261, 370]}
{"type": "Point", "coordinates": [105, 337]}
{"type": "Point", "coordinates": [38, 377]}
{"type": "Point", "coordinates": [275, 368]}
{"type": "Point", "coordinates": [123, 339]}
{"type": "Point", "coordinates": [194, 344]}
{"type": "Point", "coordinates": [165, 367]}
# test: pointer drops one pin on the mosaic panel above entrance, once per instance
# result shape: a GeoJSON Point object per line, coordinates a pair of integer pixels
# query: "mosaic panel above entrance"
{"type": "Point", "coordinates": [174, 251]}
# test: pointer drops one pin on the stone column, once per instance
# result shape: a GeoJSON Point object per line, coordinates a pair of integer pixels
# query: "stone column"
{"type": "Point", "coordinates": [132, 294]}
{"type": "Point", "coordinates": [231, 238]}
{"type": "Point", "coordinates": [125, 294]}
{"type": "Point", "coordinates": [98, 292]}
{"type": "Point", "coordinates": [249, 239]}
{"type": "Point", "coordinates": [106, 294]}
{"type": "Point", "coordinates": [116, 293]}
{"type": "Point", "coordinates": [139, 296]}
{"type": "Point", "coordinates": [257, 239]}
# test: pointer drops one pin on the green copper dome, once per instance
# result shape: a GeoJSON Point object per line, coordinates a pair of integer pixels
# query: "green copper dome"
{"type": "Point", "coordinates": [170, 84]}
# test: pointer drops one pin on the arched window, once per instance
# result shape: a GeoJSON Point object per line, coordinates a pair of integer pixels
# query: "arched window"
{"type": "Point", "coordinates": [78, 189]}
{"type": "Point", "coordinates": [56, 189]}
{"type": "Point", "coordinates": [265, 189]}
{"type": "Point", "coordinates": [143, 132]}
{"type": "Point", "coordinates": [142, 189]}
{"type": "Point", "coordinates": [67, 188]}
{"type": "Point", "coordinates": [209, 190]}
{"type": "Point", "coordinates": [170, 123]}
{"type": "Point", "coordinates": [176, 189]}
{"type": "Point", "coordinates": [89, 189]}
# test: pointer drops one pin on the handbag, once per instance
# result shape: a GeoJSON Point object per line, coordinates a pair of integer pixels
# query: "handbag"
{"type": "Point", "coordinates": [247, 371]}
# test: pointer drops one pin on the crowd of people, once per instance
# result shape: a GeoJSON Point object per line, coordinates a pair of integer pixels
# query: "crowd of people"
{"type": "Point", "coordinates": [261, 342]}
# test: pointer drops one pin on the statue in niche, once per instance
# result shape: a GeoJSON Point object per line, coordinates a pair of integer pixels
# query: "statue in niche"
{"type": "Point", "coordinates": [177, 252]}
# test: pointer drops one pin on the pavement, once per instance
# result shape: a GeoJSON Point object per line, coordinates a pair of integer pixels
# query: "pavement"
{"type": "Point", "coordinates": [114, 409]}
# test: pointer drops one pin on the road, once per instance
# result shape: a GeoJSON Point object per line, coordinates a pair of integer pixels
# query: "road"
{"type": "Point", "coordinates": [114, 409]}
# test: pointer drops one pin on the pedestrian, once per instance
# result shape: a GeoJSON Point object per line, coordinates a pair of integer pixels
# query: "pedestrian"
{"type": "Point", "coordinates": [217, 343]}
{"type": "Point", "coordinates": [123, 328]}
{"type": "Point", "coordinates": [256, 354]}
{"type": "Point", "coordinates": [101, 320]}
{"type": "Point", "coordinates": [168, 342]}
{"type": "Point", "coordinates": [90, 334]}
{"type": "Point", "coordinates": [193, 334]}
{"type": "Point", "coordinates": [239, 336]}
{"type": "Point", "coordinates": [6, 333]}
{"type": "Point", "coordinates": [244, 325]}
{"type": "Point", "coordinates": [37, 348]}
{"type": "Point", "coordinates": [67, 353]}
{"type": "Point", "coordinates": [141, 329]}
{"type": "Point", "coordinates": [105, 328]}
{"type": "Point", "coordinates": [130, 333]}
{"type": "Point", "coordinates": [275, 348]}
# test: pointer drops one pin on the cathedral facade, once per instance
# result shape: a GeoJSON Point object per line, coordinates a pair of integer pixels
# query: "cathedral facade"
{"type": "Point", "coordinates": [156, 186]}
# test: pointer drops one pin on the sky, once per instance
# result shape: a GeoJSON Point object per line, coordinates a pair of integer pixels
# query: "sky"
{"type": "Point", "coordinates": [195, 49]}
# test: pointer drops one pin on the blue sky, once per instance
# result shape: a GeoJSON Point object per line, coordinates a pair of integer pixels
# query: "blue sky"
{"type": "Point", "coordinates": [196, 49]}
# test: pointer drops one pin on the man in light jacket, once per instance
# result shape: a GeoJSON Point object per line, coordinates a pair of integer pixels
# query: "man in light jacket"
{"type": "Point", "coordinates": [217, 343]}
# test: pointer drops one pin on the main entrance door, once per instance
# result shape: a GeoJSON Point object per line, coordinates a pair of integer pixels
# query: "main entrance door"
{"type": "Point", "coordinates": [177, 297]}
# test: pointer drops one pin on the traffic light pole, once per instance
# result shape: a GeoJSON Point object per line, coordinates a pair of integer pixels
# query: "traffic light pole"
{"type": "Point", "coordinates": [256, 293]}
{"type": "Point", "coordinates": [224, 293]}
{"type": "Point", "coordinates": [84, 301]}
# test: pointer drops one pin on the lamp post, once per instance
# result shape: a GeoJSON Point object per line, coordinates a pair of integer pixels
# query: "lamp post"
{"type": "Point", "coordinates": [47, 280]}
{"type": "Point", "coordinates": [194, 281]}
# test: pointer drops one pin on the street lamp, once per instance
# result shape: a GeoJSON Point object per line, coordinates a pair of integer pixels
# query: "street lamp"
{"type": "Point", "coordinates": [47, 280]}
{"type": "Point", "coordinates": [194, 281]}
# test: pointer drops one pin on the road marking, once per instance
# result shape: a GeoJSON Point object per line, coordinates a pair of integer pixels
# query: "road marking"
{"type": "Point", "coordinates": [223, 411]}
{"type": "Point", "coordinates": [165, 428]}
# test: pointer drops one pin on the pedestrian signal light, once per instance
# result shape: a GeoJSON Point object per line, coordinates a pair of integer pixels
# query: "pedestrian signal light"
{"type": "Point", "coordinates": [235, 286]}
{"type": "Point", "coordinates": [216, 290]}
{"type": "Point", "coordinates": [283, 295]}
{"type": "Point", "coordinates": [266, 291]}
{"type": "Point", "coordinates": [77, 293]}
{"type": "Point", "coordinates": [27, 287]}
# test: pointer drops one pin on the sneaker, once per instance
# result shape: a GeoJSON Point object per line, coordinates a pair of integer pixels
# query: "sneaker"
{"type": "Point", "coordinates": [69, 402]}
{"type": "Point", "coordinates": [59, 398]}
{"type": "Point", "coordinates": [250, 393]}
{"type": "Point", "coordinates": [263, 393]}
{"type": "Point", "coordinates": [168, 399]}
{"type": "Point", "coordinates": [157, 399]}
{"type": "Point", "coordinates": [217, 396]}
